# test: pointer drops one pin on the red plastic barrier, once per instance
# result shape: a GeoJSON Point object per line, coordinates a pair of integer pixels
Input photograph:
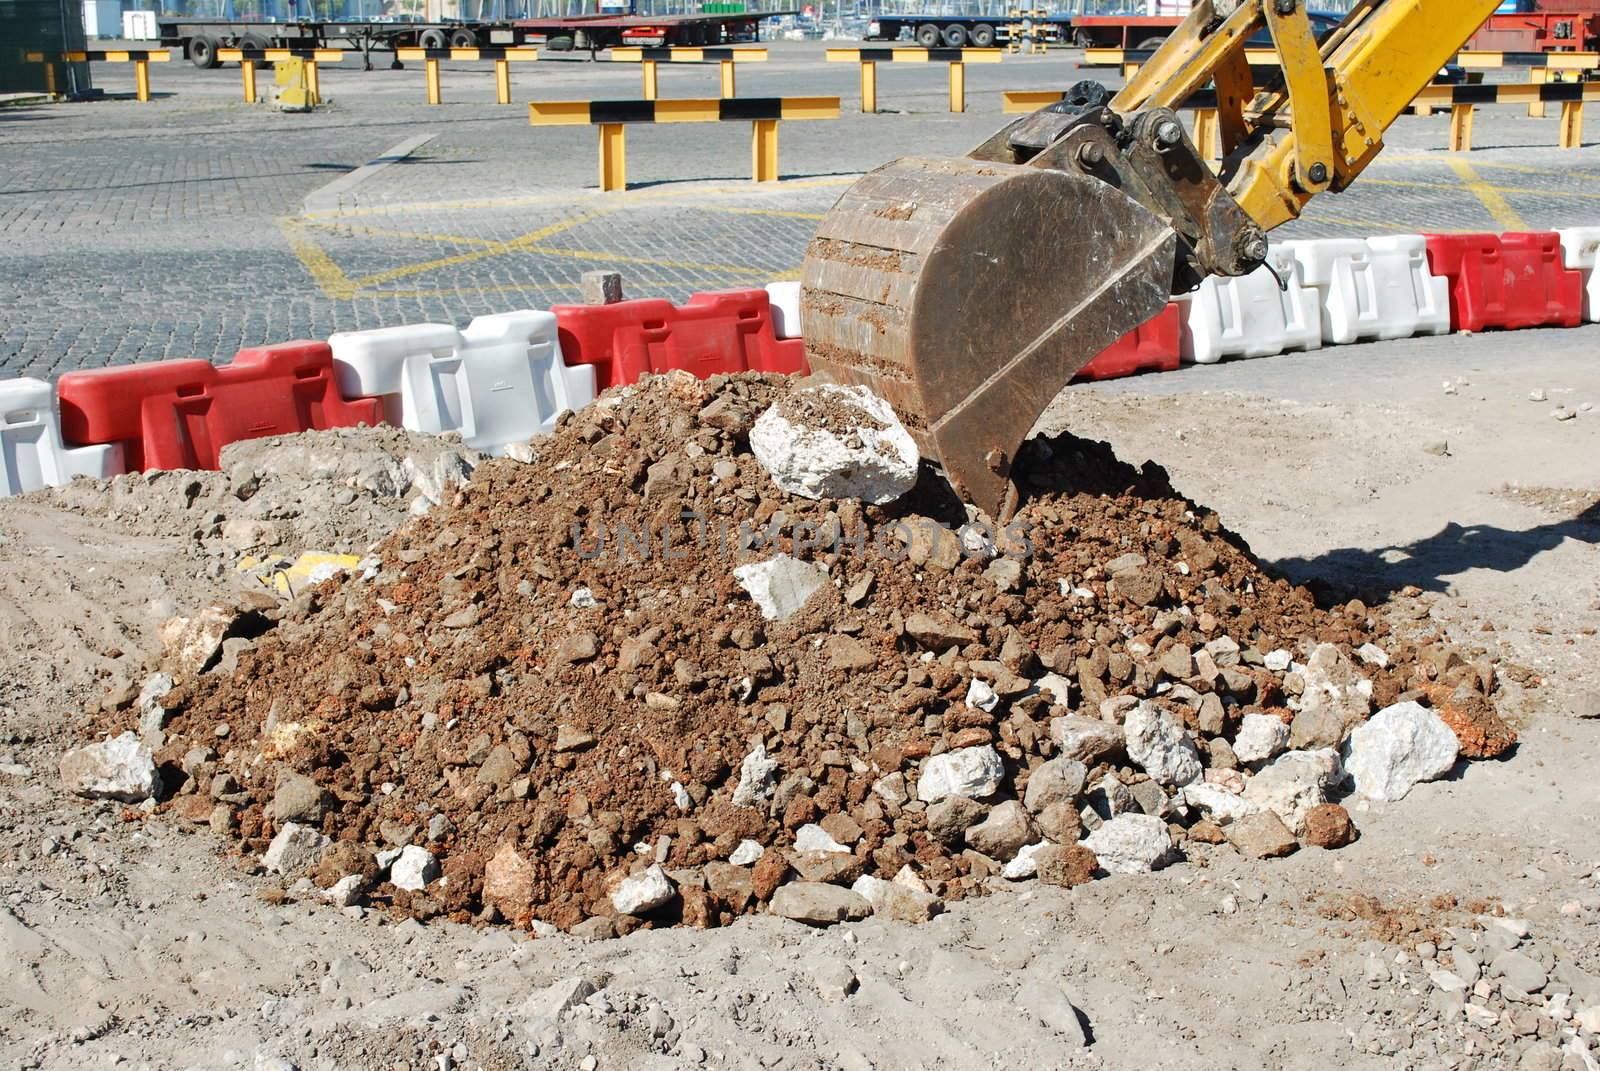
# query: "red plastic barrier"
{"type": "Point", "coordinates": [1506, 280]}
{"type": "Point", "coordinates": [723, 331]}
{"type": "Point", "coordinates": [1150, 348]}
{"type": "Point", "coordinates": [180, 414]}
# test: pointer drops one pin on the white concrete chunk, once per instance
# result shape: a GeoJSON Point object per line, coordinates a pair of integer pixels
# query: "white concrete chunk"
{"type": "Point", "coordinates": [836, 442]}
{"type": "Point", "coordinates": [1157, 741]}
{"type": "Point", "coordinates": [1131, 844]}
{"type": "Point", "coordinates": [974, 772]}
{"type": "Point", "coordinates": [638, 893]}
{"type": "Point", "coordinates": [780, 585]}
{"type": "Point", "coordinates": [120, 768]}
{"type": "Point", "coordinates": [1398, 747]}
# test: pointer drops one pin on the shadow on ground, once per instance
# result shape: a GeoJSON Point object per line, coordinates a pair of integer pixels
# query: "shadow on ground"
{"type": "Point", "coordinates": [1451, 551]}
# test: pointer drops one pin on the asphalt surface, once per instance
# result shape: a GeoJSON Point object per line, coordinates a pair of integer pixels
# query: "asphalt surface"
{"type": "Point", "coordinates": [195, 224]}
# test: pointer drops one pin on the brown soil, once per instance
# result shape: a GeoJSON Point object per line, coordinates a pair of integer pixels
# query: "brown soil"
{"type": "Point", "coordinates": [463, 681]}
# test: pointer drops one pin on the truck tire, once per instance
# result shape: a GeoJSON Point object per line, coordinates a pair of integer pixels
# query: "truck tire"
{"type": "Point", "coordinates": [203, 52]}
{"type": "Point", "coordinates": [558, 44]}
{"type": "Point", "coordinates": [1150, 44]}
{"type": "Point", "coordinates": [432, 39]}
{"type": "Point", "coordinates": [928, 35]}
{"type": "Point", "coordinates": [955, 35]}
{"type": "Point", "coordinates": [982, 36]}
{"type": "Point", "coordinates": [463, 38]}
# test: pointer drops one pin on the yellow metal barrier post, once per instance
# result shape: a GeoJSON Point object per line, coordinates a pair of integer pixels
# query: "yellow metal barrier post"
{"type": "Point", "coordinates": [730, 85]}
{"type": "Point", "coordinates": [613, 157]}
{"type": "Point", "coordinates": [651, 87]}
{"type": "Point", "coordinates": [611, 116]}
{"type": "Point", "coordinates": [957, 58]}
{"type": "Point", "coordinates": [649, 57]}
{"type": "Point", "coordinates": [1572, 124]}
{"type": "Point", "coordinates": [141, 60]}
{"type": "Point", "coordinates": [764, 150]}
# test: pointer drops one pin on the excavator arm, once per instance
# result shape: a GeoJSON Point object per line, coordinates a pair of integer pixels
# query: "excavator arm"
{"type": "Point", "coordinates": [968, 292]}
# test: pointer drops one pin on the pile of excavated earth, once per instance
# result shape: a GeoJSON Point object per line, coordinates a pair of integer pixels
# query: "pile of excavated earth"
{"type": "Point", "coordinates": [722, 647]}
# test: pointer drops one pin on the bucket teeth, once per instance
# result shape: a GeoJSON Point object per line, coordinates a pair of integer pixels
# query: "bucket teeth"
{"type": "Point", "coordinates": [967, 293]}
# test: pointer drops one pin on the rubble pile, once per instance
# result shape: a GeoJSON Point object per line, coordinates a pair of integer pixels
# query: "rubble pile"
{"type": "Point", "coordinates": [645, 678]}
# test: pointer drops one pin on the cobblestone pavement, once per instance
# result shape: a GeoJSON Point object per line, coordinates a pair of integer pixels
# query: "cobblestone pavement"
{"type": "Point", "coordinates": [183, 227]}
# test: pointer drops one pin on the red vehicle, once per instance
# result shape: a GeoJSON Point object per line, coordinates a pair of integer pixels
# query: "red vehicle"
{"type": "Point", "coordinates": [1548, 26]}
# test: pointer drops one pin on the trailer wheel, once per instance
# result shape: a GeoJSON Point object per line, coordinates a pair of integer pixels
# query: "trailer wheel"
{"type": "Point", "coordinates": [955, 35]}
{"type": "Point", "coordinates": [983, 36]}
{"type": "Point", "coordinates": [432, 39]}
{"type": "Point", "coordinates": [1150, 44]}
{"type": "Point", "coordinates": [558, 44]}
{"type": "Point", "coordinates": [203, 52]}
{"type": "Point", "coordinates": [928, 35]}
{"type": "Point", "coordinates": [463, 38]}
{"type": "Point", "coordinates": [251, 40]}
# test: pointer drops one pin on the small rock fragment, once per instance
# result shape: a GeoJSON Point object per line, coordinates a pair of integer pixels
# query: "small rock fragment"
{"type": "Point", "coordinates": [974, 772]}
{"type": "Point", "coordinates": [635, 894]}
{"type": "Point", "coordinates": [780, 585]}
{"type": "Point", "coordinates": [1157, 741]}
{"type": "Point", "coordinates": [818, 904]}
{"type": "Point", "coordinates": [1130, 844]}
{"type": "Point", "coordinates": [1328, 825]}
{"type": "Point", "coordinates": [120, 768]}
{"type": "Point", "coordinates": [1261, 835]}
{"type": "Point", "coordinates": [414, 869]}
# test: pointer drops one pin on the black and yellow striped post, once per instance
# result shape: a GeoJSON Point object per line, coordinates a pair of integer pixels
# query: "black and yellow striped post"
{"type": "Point", "coordinates": [1464, 100]}
{"type": "Point", "coordinates": [140, 58]}
{"type": "Point", "coordinates": [49, 70]}
{"type": "Point", "coordinates": [503, 58]}
{"type": "Point", "coordinates": [727, 59]}
{"type": "Point", "coordinates": [247, 58]}
{"type": "Point", "coordinates": [957, 58]}
{"type": "Point", "coordinates": [612, 117]}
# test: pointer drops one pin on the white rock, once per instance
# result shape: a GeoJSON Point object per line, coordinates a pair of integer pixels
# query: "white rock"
{"type": "Point", "coordinates": [982, 696]}
{"type": "Point", "coordinates": [780, 585]}
{"type": "Point", "coordinates": [637, 893]}
{"type": "Point", "coordinates": [1261, 737]}
{"type": "Point", "coordinates": [813, 838]}
{"type": "Point", "coordinates": [974, 772]}
{"type": "Point", "coordinates": [1295, 782]}
{"type": "Point", "coordinates": [1131, 844]}
{"type": "Point", "coordinates": [414, 868]}
{"type": "Point", "coordinates": [746, 853]}
{"type": "Point", "coordinates": [1056, 686]}
{"type": "Point", "coordinates": [908, 877]}
{"type": "Point", "coordinates": [891, 787]}
{"type": "Point", "coordinates": [1157, 741]}
{"type": "Point", "coordinates": [758, 777]}
{"type": "Point", "coordinates": [152, 716]}
{"type": "Point", "coordinates": [294, 850]}
{"type": "Point", "coordinates": [1398, 747]}
{"type": "Point", "coordinates": [1023, 865]}
{"type": "Point", "coordinates": [120, 768]}
{"type": "Point", "coordinates": [583, 599]}
{"type": "Point", "coordinates": [1278, 661]}
{"type": "Point", "coordinates": [872, 458]}
{"type": "Point", "coordinates": [681, 797]}
{"type": "Point", "coordinates": [1373, 655]}
{"type": "Point", "coordinates": [1588, 1019]}
{"type": "Point", "coordinates": [896, 900]}
{"type": "Point", "coordinates": [1218, 804]}
{"type": "Point", "coordinates": [346, 892]}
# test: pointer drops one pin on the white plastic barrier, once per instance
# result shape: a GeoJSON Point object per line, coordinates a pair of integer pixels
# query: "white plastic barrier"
{"type": "Point", "coordinates": [1580, 251]}
{"type": "Point", "coordinates": [499, 382]}
{"type": "Point", "coordinates": [785, 299]}
{"type": "Point", "coordinates": [1258, 315]}
{"type": "Point", "coordinates": [1379, 288]}
{"type": "Point", "coordinates": [31, 452]}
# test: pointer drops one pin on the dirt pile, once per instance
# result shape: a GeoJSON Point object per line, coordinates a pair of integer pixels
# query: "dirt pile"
{"type": "Point", "coordinates": [554, 699]}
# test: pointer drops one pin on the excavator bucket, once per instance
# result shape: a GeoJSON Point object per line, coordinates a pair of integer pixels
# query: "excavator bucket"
{"type": "Point", "coordinates": [967, 293]}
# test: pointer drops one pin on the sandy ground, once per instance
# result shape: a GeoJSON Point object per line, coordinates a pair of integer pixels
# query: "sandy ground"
{"type": "Point", "coordinates": [131, 943]}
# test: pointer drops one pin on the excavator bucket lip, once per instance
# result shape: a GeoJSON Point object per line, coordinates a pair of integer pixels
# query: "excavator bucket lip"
{"type": "Point", "coordinates": [968, 293]}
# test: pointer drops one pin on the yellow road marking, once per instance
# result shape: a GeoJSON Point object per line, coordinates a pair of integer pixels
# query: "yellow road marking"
{"type": "Point", "coordinates": [328, 276]}
{"type": "Point", "coordinates": [1497, 206]}
{"type": "Point", "coordinates": [511, 245]}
